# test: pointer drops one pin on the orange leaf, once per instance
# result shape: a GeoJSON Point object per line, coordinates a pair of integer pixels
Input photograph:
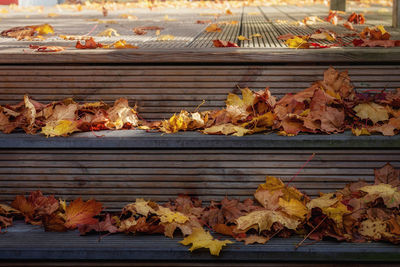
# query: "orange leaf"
{"type": "Point", "coordinates": [89, 44]}
{"type": "Point", "coordinates": [81, 212]}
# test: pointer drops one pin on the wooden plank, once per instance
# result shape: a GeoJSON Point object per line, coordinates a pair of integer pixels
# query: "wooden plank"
{"type": "Point", "coordinates": [137, 139]}
{"type": "Point", "coordinates": [117, 177]}
{"type": "Point", "coordinates": [206, 55]}
{"type": "Point", "coordinates": [396, 14]}
{"type": "Point", "coordinates": [26, 242]}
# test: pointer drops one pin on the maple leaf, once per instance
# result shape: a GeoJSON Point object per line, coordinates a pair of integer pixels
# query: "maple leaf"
{"type": "Point", "coordinates": [358, 131]}
{"type": "Point", "coordinates": [356, 18]}
{"type": "Point", "coordinates": [389, 194]}
{"type": "Point", "coordinates": [227, 129]}
{"type": "Point", "coordinates": [168, 216]}
{"type": "Point", "coordinates": [240, 108]}
{"type": "Point", "coordinates": [213, 28]}
{"type": "Point", "coordinates": [202, 239]}
{"type": "Point", "coordinates": [141, 207]}
{"type": "Point", "coordinates": [143, 30]}
{"type": "Point", "coordinates": [264, 219]}
{"type": "Point", "coordinates": [81, 212]}
{"type": "Point", "coordinates": [7, 210]}
{"type": "Point", "coordinates": [387, 175]}
{"type": "Point", "coordinates": [103, 226]}
{"type": "Point", "coordinates": [220, 43]}
{"type": "Point", "coordinates": [166, 37]}
{"type": "Point", "coordinates": [251, 239]}
{"type": "Point", "coordinates": [121, 44]}
{"type": "Point", "coordinates": [269, 199]}
{"type": "Point", "coordinates": [121, 114]}
{"type": "Point", "coordinates": [374, 229]}
{"type": "Point", "coordinates": [371, 111]}
{"type": "Point", "coordinates": [54, 223]}
{"type": "Point", "coordinates": [89, 44]}
{"type": "Point", "coordinates": [293, 207]}
{"type": "Point", "coordinates": [297, 42]}
{"type": "Point", "coordinates": [43, 48]}
{"type": "Point", "coordinates": [108, 33]}
{"type": "Point", "coordinates": [337, 84]}
{"type": "Point", "coordinates": [35, 206]}
{"type": "Point", "coordinates": [60, 128]}
{"type": "Point", "coordinates": [184, 121]}
{"type": "Point", "coordinates": [331, 206]}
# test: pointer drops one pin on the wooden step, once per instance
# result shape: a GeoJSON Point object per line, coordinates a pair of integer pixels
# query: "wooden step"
{"type": "Point", "coordinates": [26, 242]}
{"type": "Point", "coordinates": [123, 165]}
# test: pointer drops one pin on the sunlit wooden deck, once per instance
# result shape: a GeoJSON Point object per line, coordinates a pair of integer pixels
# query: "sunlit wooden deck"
{"type": "Point", "coordinates": [269, 22]}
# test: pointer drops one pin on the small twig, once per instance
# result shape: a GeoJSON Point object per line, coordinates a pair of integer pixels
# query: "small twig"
{"type": "Point", "coordinates": [274, 234]}
{"type": "Point", "coordinates": [302, 167]}
{"type": "Point", "coordinates": [312, 231]}
{"type": "Point", "coordinates": [198, 107]}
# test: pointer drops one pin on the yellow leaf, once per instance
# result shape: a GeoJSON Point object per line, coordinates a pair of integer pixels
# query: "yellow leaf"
{"type": "Point", "coordinates": [43, 29]}
{"type": "Point", "coordinates": [389, 194]}
{"type": "Point", "coordinates": [264, 219]}
{"type": "Point", "coordinates": [166, 37]}
{"type": "Point", "coordinates": [213, 28]}
{"type": "Point", "coordinates": [294, 207]}
{"type": "Point", "coordinates": [358, 132]}
{"type": "Point", "coordinates": [331, 206]}
{"type": "Point", "coordinates": [242, 38]}
{"type": "Point", "coordinates": [371, 111]}
{"type": "Point", "coordinates": [296, 42]}
{"type": "Point", "coordinates": [108, 33]}
{"type": "Point", "coordinates": [121, 44]}
{"type": "Point", "coordinates": [169, 216]}
{"type": "Point", "coordinates": [202, 239]}
{"type": "Point", "coordinates": [129, 17]}
{"type": "Point", "coordinates": [52, 15]}
{"type": "Point", "coordinates": [6, 210]}
{"type": "Point", "coordinates": [166, 18]}
{"type": "Point", "coordinates": [141, 207]}
{"type": "Point", "coordinates": [382, 29]}
{"type": "Point", "coordinates": [60, 128]}
{"type": "Point", "coordinates": [256, 35]}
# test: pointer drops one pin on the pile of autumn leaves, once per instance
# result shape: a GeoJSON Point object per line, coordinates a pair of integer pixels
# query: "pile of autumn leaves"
{"type": "Point", "coordinates": [328, 106]}
{"type": "Point", "coordinates": [359, 212]}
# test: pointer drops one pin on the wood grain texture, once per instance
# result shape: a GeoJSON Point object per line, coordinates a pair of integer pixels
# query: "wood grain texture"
{"type": "Point", "coordinates": [159, 90]}
{"type": "Point", "coordinates": [27, 242]}
{"type": "Point", "coordinates": [117, 177]}
{"type": "Point", "coordinates": [206, 55]}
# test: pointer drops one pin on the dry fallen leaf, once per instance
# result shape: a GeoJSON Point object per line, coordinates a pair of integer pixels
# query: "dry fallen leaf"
{"type": "Point", "coordinates": [80, 212]}
{"type": "Point", "coordinates": [372, 111]}
{"type": "Point", "coordinates": [166, 37]}
{"type": "Point", "coordinates": [202, 239]}
{"type": "Point", "coordinates": [108, 33]}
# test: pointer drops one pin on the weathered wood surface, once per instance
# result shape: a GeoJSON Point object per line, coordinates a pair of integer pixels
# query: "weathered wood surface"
{"type": "Point", "coordinates": [118, 176]}
{"type": "Point", "coordinates": [159, 90]}
{"type": "Point", "coordinates": [338, 5]}
{"type": "Point", "coordinates": [25, 242]}
{"type": "Point", "coordinates": [269, 22]}
{"type": "Point", "coordinates": [396, 14]}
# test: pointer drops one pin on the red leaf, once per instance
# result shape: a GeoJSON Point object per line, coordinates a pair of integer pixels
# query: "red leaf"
{"type": "Point", "coordinates": [220, 43]}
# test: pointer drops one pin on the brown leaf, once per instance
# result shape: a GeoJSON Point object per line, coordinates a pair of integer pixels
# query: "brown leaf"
{"type": "Point", "coordinates": [387, 175]}
{"type": "Point", "coordinates": [102, 226]}
{"type": "Point", "coordinates": [251, 239]}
